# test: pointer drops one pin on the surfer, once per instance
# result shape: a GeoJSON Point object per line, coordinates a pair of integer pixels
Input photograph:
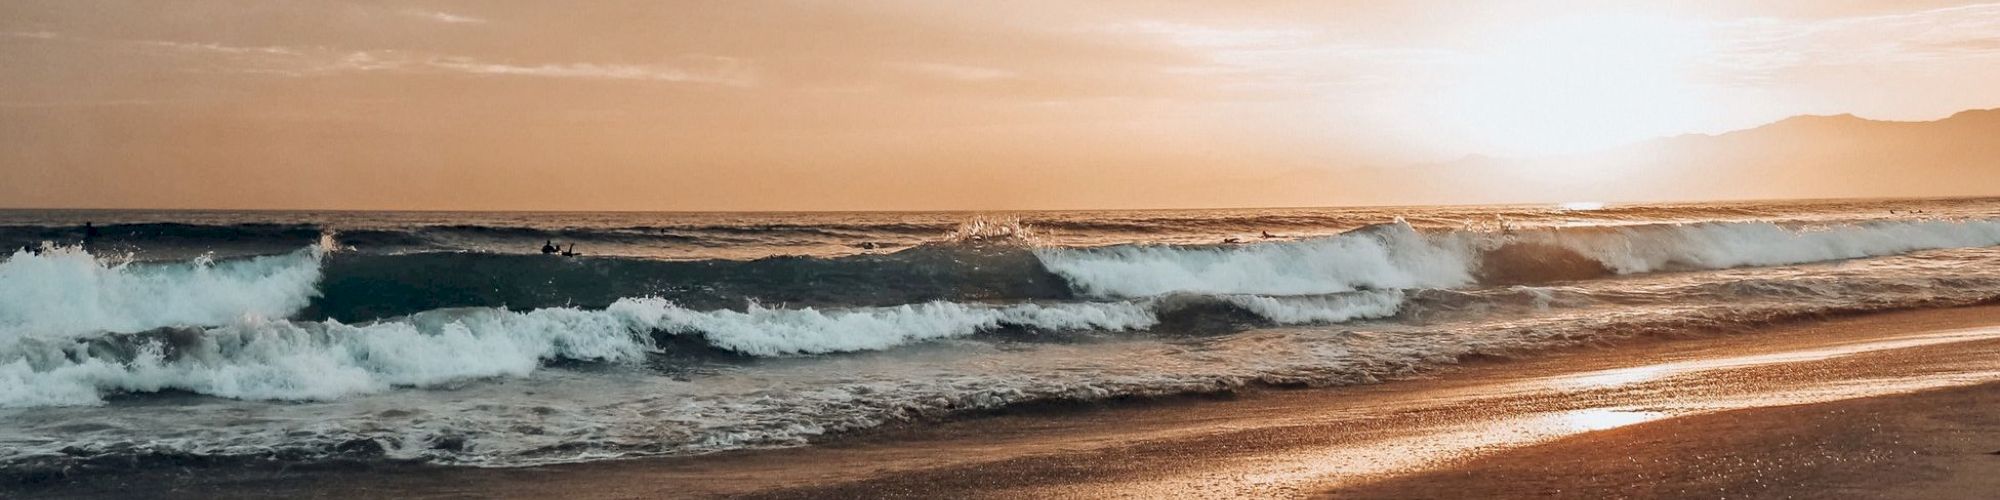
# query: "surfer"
{"type": "Point", "coordinates": [1231, 241]}
{"type": "Point", "coordinates": [571, 252]}
{"type": "Point", "coordinates": [1268, 235]}
{"type": "Point", "coordinates": [549, 247]}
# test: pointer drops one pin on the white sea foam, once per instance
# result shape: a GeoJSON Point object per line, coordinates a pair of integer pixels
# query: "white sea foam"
{"type": "Point", "coordinates": [596, 414]}
{"type": "Point", "coordinates": [765, 331]}
{"type": "Point", "coordinates": [56, 308]}
{"type": "Point", "coordinates": [297, 360]}
{"type": "Point", "coordinates": [1723, 245]}
{"type": "Point", "coordinates": [68, 292]}
{"type": "Point", "coordinates": [1321, 308]}
{"type": "Point", "coordinates": [1397, 256]}
{"type": "Point", "coordinates": [1392, 256]}
{"type": "Point", "coordinates": [266, 359]}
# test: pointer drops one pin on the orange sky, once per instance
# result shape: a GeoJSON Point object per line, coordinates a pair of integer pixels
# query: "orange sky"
{"type": "Point", "coordinates": [821, 105]}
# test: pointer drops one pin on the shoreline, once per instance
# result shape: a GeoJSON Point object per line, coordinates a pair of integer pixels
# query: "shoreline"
{"type": "Point", "coordinates": [1228, 444]}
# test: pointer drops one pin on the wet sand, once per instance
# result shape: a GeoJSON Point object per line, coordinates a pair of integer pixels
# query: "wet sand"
{"type": "Point", "coordinates": [1937, 444]}
{"type": "Point", "coordinates": [1866, 406]}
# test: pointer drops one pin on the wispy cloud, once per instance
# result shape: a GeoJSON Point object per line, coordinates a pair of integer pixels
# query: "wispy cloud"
{"type": "Point", "coordinates": [222, 49]}
{"type": "Point", "coordinates": [444, 17]}
{"type": "Point", "coordinates": [959, 72]}
{"type": "Point", "coordinates": [710, 70]}
{"type": "Point", "coordinates": [1276, 60]}
{"type": "Point", "coordinates": [1762, 48]}
{"type": "Point", "coordinates": [1217, 37]}
{"type": "Point", "coordinates": [322, 61]}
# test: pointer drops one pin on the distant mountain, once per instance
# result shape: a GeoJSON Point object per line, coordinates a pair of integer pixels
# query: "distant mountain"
{"type": "Point", "coordinates": [1799, 157]}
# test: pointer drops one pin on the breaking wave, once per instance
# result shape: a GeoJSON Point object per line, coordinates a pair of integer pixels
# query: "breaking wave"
{"type": "Point", "coordinates": [67, 291]}
{"type": "Point", "coordinates": [1723, 245]}
{"type": "Point", "coordinates": [544, 359]}
{"type": "Point", "coordinates": [274, 359]}
{"type": "Point", "coordinates": [313, 325]}
{"type": "Point", "coordinates": [1390, 256]}
{"type": "Point", "coordinates": [318, 360]}
{"type": "Point", "coordinates": [1399, 256]}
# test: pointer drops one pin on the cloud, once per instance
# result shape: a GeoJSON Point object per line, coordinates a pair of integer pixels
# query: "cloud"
{"type": "Point", "coordinates": [714, 70]}
{"type": "Point", "coordinates": [1214, 37]}
{"type": "Point", "coordinates": [957, 71]}
{"type": "Point", "coordinates": [1764, 48]}
{"type": "Point", "coordinates": [321, 61]}
{"type": "Point", "coordinates": [444, 17]}
{"type": "Point", "coordinates": [1281, 60]}
{"type": "Point", "coordinates": [223, 49]}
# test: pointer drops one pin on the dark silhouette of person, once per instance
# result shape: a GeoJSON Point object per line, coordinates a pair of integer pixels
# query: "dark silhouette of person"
{"type": "Point", "coordinates": [1268, 235]}
{"type": "Point", "coordinates": [571, 252]}
{"type": "Point", "coordinates": [549, 247]}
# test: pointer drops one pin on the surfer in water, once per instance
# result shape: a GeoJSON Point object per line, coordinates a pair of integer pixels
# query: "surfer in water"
{"type": "Point", "coordinates": [571, 252]}
{"type": "Point", "coordinates": [549, 247]}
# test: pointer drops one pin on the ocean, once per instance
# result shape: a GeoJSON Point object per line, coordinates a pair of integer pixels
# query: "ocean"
{"type": "Point", "coordinates": [448, 338]}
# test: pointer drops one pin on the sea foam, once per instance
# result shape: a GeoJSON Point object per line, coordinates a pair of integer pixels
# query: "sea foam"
{"type": "Point", "coordinates": [1398, 256]}
{"type": "Point", "coordinates": [68, 292]}
{"type": "Point", "coordinates": [319, 360]}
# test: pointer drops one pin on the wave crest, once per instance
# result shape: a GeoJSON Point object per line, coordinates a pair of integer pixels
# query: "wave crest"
{"type": "Point", "coordinates": [320, 360]}
{"type": "Point", "coordinates": [1398, 256]}
{"type": "Point", "coordinates": [67, 291]}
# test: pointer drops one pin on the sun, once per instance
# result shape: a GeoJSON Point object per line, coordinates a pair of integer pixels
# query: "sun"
{"type": "Point", "coordinates": [1580, 83]}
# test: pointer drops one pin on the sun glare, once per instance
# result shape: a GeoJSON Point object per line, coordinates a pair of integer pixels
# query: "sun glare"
{"type": "Point", "coordinates": [1601, 419]}
{"type": "Point", "coordinates": [1580, 83]}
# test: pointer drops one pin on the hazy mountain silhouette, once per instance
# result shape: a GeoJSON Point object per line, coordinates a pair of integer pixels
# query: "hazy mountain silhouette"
{"type": "Point", "coordinates": [1799, 157]}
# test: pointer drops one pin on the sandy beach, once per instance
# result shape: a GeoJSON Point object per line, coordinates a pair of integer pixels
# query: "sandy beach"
{"type": "Point", "coordinates": [1941, 443]}
{"type": "Point", "coordinates": [1882, 405]}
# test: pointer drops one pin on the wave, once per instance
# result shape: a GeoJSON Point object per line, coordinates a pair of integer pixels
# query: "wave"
{"type": "Point", "coordinates": [1388, 256]}
{"type": "Point", "coordinates": [762, 331]}
{"type": "Point", "coordinates": [721, 417]}
{"type": "Point", "coordinates": [67, 291]}
{"type": "Point", "coordinates": [286, 360]}
{"type": "Point", "coordinates": [363, 286]}
{"type": "Point", "coordinates": [219, 327]}
{"type": "Point", "coordinates": [317, 360]}
{"type": "Point", "coordinates": [1399, 256]}
{"type": "Point", "coordinates": [988, 263]}
{"type": "Point", "coordinates": [1723, 245]}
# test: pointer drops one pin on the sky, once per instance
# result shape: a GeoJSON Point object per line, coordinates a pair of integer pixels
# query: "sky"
{"type": "Point", "coordinates": [909, 104]}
